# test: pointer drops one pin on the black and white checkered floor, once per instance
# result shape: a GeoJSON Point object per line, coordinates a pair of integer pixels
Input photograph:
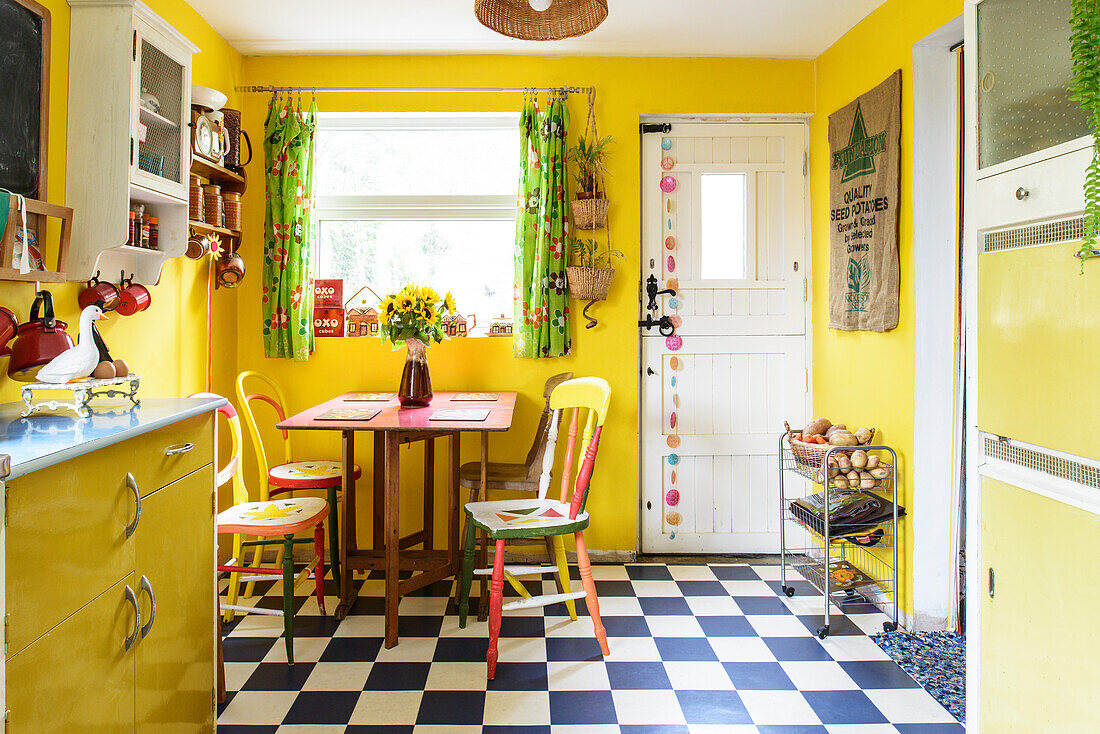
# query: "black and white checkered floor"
{"type": "Point", "coordinates": [694, 648]}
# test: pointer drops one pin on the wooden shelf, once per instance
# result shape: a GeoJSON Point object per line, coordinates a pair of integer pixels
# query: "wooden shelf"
{"type": "Point", "coordinates": [211, 229]}
{"type": "Point", "coordinates": [218, 174]}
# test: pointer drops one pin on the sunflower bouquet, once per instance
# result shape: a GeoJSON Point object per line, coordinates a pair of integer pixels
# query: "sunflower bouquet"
{"type": "Point", "coordinates": [414, 312]}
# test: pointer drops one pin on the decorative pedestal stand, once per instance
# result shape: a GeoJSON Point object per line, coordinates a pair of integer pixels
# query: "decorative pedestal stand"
{"type": "Point", "coordinates": [82, 393]}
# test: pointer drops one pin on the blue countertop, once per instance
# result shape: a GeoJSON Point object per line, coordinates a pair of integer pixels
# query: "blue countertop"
{"type": "Point", "coordinates": [45, 439]}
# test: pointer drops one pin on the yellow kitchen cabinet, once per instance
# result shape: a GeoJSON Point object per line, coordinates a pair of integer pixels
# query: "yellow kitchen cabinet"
{"type": "Point", "coordinates": [175, 653]}
{"type": "Point", "coordinates": [79, 677]}
{"type": "Point", "coordinates": [112, 517]}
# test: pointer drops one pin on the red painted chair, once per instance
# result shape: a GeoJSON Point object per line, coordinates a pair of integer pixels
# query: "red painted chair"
{"type": "Point", "coordinates": [291, 475]}
{"type": "Point", "coordinates": [270, 522]}
{"type": "Point", "coordinates": [506, 520]}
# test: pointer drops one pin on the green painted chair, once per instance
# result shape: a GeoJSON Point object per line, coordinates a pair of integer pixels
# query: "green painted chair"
{"type": "Point", "coordinates": [539, 517]}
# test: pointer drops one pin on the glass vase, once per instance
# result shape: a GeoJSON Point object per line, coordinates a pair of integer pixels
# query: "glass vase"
{"type": "Point", "coordinates": [416, 383]}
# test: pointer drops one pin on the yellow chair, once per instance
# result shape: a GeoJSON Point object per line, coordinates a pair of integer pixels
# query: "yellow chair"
{"type": "Point", "coordinates": [290, 475]}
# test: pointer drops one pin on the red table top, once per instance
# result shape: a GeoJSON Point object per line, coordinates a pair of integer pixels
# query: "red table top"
{"type": "Point", "coordinates": [395, 418]}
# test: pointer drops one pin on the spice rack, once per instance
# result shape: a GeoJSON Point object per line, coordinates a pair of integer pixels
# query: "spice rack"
{"type": "Point", "coordinates": [230, 182]}
{"type": "Point", "coordinates": [806, 553]}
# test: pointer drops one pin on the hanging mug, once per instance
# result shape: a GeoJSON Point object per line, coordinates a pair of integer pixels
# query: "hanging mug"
{"type": "Point", "coordinates": [133, 297]}
{"type": "Point", "coordinates": [233, 127]}
{"type": "Point", "coordinates": [99, 290]}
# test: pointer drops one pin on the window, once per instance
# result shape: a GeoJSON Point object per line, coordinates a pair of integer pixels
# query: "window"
{"type": "Point", "coordinates": [722, 209]}
{"type": "Point", "coordinates": [424, 198]}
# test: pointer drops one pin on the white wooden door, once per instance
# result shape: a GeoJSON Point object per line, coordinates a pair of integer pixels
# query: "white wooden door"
{"type": "Point", "coordinates": [724, 224]}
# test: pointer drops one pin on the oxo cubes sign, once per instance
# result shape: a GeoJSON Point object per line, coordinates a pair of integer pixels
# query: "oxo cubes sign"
{"type": "Point", "coordinates": [328, 293]}
{"type": "Point", "coordinates": [328, 322]}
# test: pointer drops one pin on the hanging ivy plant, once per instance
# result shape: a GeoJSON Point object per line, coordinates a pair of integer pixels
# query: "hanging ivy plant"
{"type": "Point", "coordinates": [1085, 90]}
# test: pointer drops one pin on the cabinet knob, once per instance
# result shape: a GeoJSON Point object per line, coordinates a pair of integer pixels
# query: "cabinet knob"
{"type": "Point", "coordinates": [1022, 193]}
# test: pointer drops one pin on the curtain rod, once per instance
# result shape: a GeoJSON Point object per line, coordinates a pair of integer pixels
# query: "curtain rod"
{"type": "Point", "coordinates": [272, 89]}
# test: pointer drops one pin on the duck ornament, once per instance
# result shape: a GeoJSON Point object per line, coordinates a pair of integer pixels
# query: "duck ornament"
{"type": "Point", "coordinates": [78, 362]}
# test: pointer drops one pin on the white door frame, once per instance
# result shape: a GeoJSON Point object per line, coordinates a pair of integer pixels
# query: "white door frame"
{"type": "Point", "coordinates": [807, 265]}
{"type": "Point", "coordinates": [937, 436]}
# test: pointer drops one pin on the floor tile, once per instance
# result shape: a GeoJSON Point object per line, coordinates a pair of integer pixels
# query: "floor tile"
{"type": "Point", "coordinates": [632, 649]}
{"type": "Point", "coordinates": [278, 677]}
{"type": "Point", "coordinates": [257, 707]}
{"type": "Point", "coordinates": [572, 648]}
{"type": "Point", "coordinates": [873, 674]}
{"type": "Point", "coordinates": [778, 625]}
{"type": "Point", "coordinates": [778, 707]}
{"type": "Point", "coordinates": [247, 649]}
{"type": "Point", "coordinates": [696, 675]}
{"type": "Point", "coordinates": [723, 606]}
{"type": "Point", "coordinates": [626, 626]}
{"type": "Point", "coordinates": [577, 676]}
{"type": "Point", "coordinates": [684, 648]}
{"type": "Point", "coordinates": [387, 707]}
{"type": "Point", "coordinates": [322, 707]}
{"type": "Point", "coordinates": [701, 588]}
{"type": "Point", "coordinates": [649, 572]}
{"type": "Point", "coordinates": [515, 708]}
{"type": "Point", "coordinates": [411, 650]}
{"type": "Point", "coordinates": [712, 707]}
{"type": "Point", "coordinates": [674, 626]}
{"type": "Point", "coordinates": [637, 676]}
{"type": "Point", "coordinates": [351, 650]}
{"type": "Point", "coordinates": [518, 676]}
{"type": "Point", "coordinates": [451, 707]}
{"type": "Point", "coordinates": [844, 707]}
{"type": "Point", "coordinates": [733, 573]}
{"type": "Point", "coordinates": [751, 605]}
{"type": "Point", "coordinates": [909, 706]}
{"type": "Point", "coordinates": [747, 587]}
{"type": "Point", "coordinates": [955, 728]}
{"type": "Point", "coordinates": [699, 572]}
{"type": "Point", "coordinates": [658, 605]}
{"type": "Point", "coordinates": [306, 650]}
{"type": "Point", "coordinates": [337, 677]}
{"type": "Point", "coordinates": [397, 677]}
{"type": "Point", "coordinates": [796, 648]}
{"type": "Point", "coordinates": [609, 572]}
{"type": "Point", "coordinates": [582, 707]}
{"type": "Point", "coordinates": [741, 650]}
{"type": "Point", "coordinates": [457, 677]}
{"type": "Point", "coordinates": [819, 675]}
{"type": "Point", "coordinates": [727, 626]}
{"type": "Point", "coordinates": [647, 707]}
{"type": "Point", "coordinates": [657, 588]}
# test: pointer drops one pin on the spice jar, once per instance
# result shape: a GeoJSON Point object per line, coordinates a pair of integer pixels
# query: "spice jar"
{"type": "Point", "coordinates": [130, 230]}
{"type": "Point", "coordinates": [144, 242]}
{"type": "Point", "coordinates": [195, 208]}
{"type": "Point", "coordinates": [212, 203]}
{"type": "Point", "coordinates": [137, 214]}
{"type": "Point", "coordinates": [231, 201]}
{"type": "Point", "coordinates": [153, 235]}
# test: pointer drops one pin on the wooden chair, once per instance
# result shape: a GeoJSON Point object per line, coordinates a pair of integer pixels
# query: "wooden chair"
{"type": "Point", "coordinates": [539, 517]}
{"type": "Point", "coordinates": [270, 522]}
{"type": "Point", "coordinates": [290, 475]}
{"type": "Point", "coordinates": [523, 477]}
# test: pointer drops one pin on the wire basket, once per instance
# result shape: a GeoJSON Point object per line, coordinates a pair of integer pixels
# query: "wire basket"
{"type": "Point", "coordinates": [590, 213]}
{"type": "Point", "coordinates": [810, 456]}
{"type": "Point", "coordinates": [589, 284]}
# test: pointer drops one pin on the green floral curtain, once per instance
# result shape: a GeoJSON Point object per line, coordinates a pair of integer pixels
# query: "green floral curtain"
{"type": "Point", "coordinates": [288, 231]}
{"type": "Point", "coordinates": [542, 232]}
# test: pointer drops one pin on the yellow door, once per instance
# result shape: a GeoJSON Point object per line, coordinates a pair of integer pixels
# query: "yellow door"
{"type": "Point", "coordinates": [175, 658]}
{"type": "Point", "coordinates": [79, 677]}
{"type": "Point", "coordinates": [1039, 670]}
{"type": "Point", "coordinates": [66, 539]}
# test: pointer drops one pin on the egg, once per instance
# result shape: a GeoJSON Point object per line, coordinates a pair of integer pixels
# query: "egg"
{"type": "Point", "coordinates": [121, 368]}
{"type": "Point", "coordinates": [104, 371]}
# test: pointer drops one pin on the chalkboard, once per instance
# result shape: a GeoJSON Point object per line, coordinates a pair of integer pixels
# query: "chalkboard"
{"type": "Point", "coordinates": [24, 90]}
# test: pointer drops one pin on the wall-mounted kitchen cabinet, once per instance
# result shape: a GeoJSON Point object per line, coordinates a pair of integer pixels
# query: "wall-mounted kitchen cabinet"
{"type": "Point", "coordinates": [128, 136]}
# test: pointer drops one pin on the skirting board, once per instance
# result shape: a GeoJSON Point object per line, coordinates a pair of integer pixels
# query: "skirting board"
{"type": "Point", "coordinates": [304, 554]}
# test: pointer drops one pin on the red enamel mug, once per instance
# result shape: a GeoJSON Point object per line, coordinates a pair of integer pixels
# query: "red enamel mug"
{"type": "Point", "coordinates": [133, 298]}
{"type": "Point", "coordinates": [99, 290]}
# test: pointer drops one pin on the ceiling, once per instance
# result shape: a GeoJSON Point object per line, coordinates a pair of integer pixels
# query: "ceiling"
{"type": "Point", "coordinates": [747, 28]}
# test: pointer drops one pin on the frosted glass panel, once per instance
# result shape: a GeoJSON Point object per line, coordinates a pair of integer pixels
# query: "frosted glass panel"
{"type": "Point", "coordinates": [1023, 73]}
{"type": "Point", "coordinates": [722, 210]}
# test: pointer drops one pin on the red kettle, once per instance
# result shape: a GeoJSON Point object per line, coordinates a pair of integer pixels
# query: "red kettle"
{"type": "Point", "coordinates": [36, 342]}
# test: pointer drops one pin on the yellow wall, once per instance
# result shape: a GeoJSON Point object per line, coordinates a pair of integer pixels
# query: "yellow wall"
{"type": "Point", "coordinates": [166, 345]}
{"type": "Point", "coordinates": [626, 88]}
{"type": "Point", "coordinates": [1039, 647]}
{"type": "Point", "coordinates": [864, 378]}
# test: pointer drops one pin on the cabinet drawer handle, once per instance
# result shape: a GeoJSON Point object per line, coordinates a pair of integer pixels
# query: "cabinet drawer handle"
{"type": "Point", "coordinates": [132, 484]}
{"type": "Point", "coordinates": [132, 598]}
{"type": "Point", "coordinates": [148, 589]}
{"type": "Point", "coordinates": [179, 448]}
{"type": "Point", "coordinates": [1022, 193]}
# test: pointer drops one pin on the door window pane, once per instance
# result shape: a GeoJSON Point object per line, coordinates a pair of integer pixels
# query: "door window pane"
{"type": "Point", "coordinates": [1023, 71]}
{"type": "Point", "coordinates": [722, 237]}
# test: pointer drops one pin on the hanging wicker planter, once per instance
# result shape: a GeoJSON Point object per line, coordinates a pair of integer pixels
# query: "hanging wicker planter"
{"type": "Point", "coordinates": [589, 284]}
{"type": "Point", "coordinates": [563, 19]}
{"type": "Point", "coordinates": [590, 213]}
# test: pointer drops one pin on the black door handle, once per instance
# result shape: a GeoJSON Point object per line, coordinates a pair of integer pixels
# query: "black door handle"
{"type": "Point", "coordinates": [652, 292]}
{"type": "Point", "coordinates": [663, 324]}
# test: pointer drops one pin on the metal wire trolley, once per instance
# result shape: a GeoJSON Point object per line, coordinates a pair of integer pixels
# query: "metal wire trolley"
{"type": "Point", "coordinates": [847, 562]}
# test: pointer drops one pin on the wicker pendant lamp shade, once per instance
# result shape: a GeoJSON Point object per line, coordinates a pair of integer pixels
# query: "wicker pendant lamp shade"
{"type": "Point", "coordinates": [563, 19]}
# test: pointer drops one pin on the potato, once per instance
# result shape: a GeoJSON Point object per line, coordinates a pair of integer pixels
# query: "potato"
{"type": "Point", "coordinates": [840, 483]}
{"type": "Point", "coordinates": [859, 459]}
{"type": "Point", "coordinates": [872, 461]}
{"type": "Point", "coordinates": [880, 472]}
{"type": "Point", "coordinates": [833, 471]}
{"type": "Point", "coordinates": [853, 476]}
{"type": "Point", "coordinates": [819, 477]}
{"type": "Point", "coordinates": [843, 438]}
{"type": "Point", "coordinates": [816, 427]}
{"type": "Point", "coordinates": [863, 435]}
{"type": "Point", "coordinates": [844, 462]}
{"type": "Point", "coordinates": [834, 428]}
{"type": "Point", "coordinates": [866, 481]}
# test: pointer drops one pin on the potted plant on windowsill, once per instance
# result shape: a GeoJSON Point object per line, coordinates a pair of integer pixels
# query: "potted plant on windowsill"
{"type": "Point", "coordinates": [590, 206]}
{"type": "Point", "coordinates": [591, 275]}
{"type": "Point", "coordinates": [413, 318]}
